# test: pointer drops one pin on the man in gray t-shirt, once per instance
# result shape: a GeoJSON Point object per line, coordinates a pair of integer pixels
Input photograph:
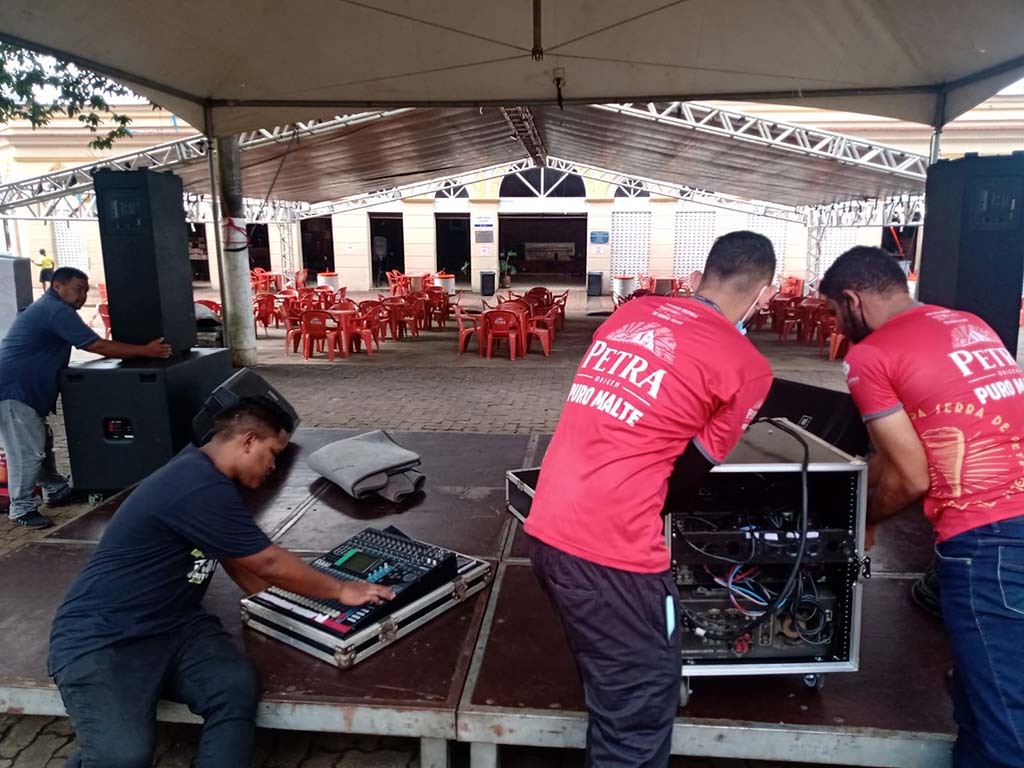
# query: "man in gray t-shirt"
{"type": "Point", "coordinates": [35, 350]}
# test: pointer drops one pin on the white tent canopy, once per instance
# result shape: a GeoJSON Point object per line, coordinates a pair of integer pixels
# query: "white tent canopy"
{"type": "Point", "coordinates": [228, 67]}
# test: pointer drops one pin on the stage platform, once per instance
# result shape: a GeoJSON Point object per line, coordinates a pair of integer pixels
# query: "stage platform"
{"type": "Point", "coordinates": [496, 670]}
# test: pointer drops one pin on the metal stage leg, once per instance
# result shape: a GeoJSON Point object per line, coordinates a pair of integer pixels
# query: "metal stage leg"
{"type": "Point", "coordinates": [434, 753]}
{"type": "Point", "coordinates": [483, 755]}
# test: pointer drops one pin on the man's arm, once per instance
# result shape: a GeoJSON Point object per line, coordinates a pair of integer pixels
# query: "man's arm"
{"type": "Point", "coordinates": [898, 473]}
{"type": "Point", "coordinates": [246, 580]}
{"type": "Point", "coordinates": [281, 568]}
{"type": "Point", "coordinates": [119, 349]}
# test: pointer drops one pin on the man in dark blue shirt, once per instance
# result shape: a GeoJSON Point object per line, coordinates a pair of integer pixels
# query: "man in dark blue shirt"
{"type": "Point", "coordinates": [132, 630]}
{"type": "Point", "coordinates": [35, 350]}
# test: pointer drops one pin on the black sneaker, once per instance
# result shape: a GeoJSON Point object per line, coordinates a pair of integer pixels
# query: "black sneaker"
{"type": "Point", "coordinates": [70, 496]}
{"type": "Point", "coordinates": [32, 520]}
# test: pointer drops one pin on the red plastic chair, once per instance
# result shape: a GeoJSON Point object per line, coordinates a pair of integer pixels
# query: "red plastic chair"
{"type": "Point", "coordinates": [301, 278]}
{"type": "Point", "coordinates": [314, 331]}
{"type": "Point", "coordinates": [210, 304]}
{"type": "Point", "coordinates": [419, 304]}
{"type": "Point", "coordinates": [344, 304]}
{"type": "Point", "coordinates": [792, 286]}
{"type": "Point", "coordinates": [546, 297]}
{"type": "Point", "coordinates": [469, 328]}
{"type": "Point", "coordinates": [543, 329]}
{"type": "Point", "coordinates": [838, 346]}
{"type": "Point", "coordinates": [104, 312]}
{"type": "Point", "coordinates": [401, 317]}
{"type": "Point", "coordinates": [559, 303]}
{"type": "Point", "coordinates": [260, 280]}
{"type": "Point", "coordinates": [362, 329]}
{"type": "Point", "coordinates": [265, 311]}
{"type": "Point", "coordinates": [501, 324]}
{"type": "Point", "coordinates": [438, 310]}
{"type": "Point", "coordinates": [381, 313]}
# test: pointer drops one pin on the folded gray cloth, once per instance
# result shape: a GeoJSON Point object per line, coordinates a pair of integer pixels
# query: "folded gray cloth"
{"type": "Point", "coordinates": [370, 463]}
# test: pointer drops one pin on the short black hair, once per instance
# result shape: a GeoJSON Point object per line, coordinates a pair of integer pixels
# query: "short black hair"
{"type": "Point", "coordinates": [863, 268]}
{"type": "Point", "coordinates": [67, 274]}
{"type": "Point", "coordinates": [254, 414]}
{"type": "Point", "coordinates": [743, 257]}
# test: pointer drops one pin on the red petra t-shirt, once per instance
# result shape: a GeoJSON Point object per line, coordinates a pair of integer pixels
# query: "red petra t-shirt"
{"type": "Point", "coordinates": [964, 393]}
{"type": "Point", "coordinates": [659, 372]}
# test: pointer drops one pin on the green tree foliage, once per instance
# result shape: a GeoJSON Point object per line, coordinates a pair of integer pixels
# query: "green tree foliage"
{"type": "Point", "coordinates": [34, 87]}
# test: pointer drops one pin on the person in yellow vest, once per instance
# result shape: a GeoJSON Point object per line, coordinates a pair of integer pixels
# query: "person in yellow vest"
{"type": "Point", "coordinates": [46, 266]}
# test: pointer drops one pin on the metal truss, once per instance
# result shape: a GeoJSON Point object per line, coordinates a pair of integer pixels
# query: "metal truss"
{"type": "Point", "coordinates": [666, 189]}
{"type": "Point", "coordinates": [285, 233]}
{"type": "Point", "coordinates": [895, 211]}
{"type": "Point", "coordinates": [432, 186]}
{"type": "Point", "coordinates": [198, 209]}
{"type": "Point", "coordinates": [30, 193]}
{"type": "Point", "coordinates": [813, 142]}
{"type": "Point", "coordinates": [74, 182]}
{"type": "Point", "coordinates": [520, 121]}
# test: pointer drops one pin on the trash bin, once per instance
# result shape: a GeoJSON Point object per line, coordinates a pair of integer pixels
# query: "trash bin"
{"type": "Point", "coordinates": [595, 282]}
{"type": "Point", "coordinates": [446, 281]}
{"type": "Point", "coordinates": [487, 283]}
{"type": "Point", "coordinates": [327, 278]}
{"type": "Point", "coordinates": [623, 285]}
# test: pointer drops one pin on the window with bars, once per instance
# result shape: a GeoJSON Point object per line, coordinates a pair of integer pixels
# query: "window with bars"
{"type": "Point", "coordinates": [69, 245]}
{"type": "Point", "coordinates": [834, 243]}
{"type": "Point", "coordinates": [695, 232]}
{"type": "Point", "coordinates": [631, 242]}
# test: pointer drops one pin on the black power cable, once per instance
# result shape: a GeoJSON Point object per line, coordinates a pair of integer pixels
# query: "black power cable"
{"type": "Point", "coordinates": [773, 607]}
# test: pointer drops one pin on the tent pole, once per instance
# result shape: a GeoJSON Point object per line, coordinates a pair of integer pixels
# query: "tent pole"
{"type": "Point", "coordinates": [935, 146]}
{"type": "Point", "coordinates": [235, 274]}
{"type": "Point", "coordinates": [211, 151]}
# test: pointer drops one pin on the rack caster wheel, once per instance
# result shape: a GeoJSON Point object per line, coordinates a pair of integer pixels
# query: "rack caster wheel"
{"type": "Point", "coordinates": [816, 682]}
{"type": "Point", "coordinates": [684, 692]}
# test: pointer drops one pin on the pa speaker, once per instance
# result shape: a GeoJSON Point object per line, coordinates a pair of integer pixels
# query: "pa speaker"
{"type": "Point", "coordinates": [145, 257]}
{"type": "Point", "coordinates": [126, 419]}
{"type": "Point", "coordinates": [246, 384]}
{"type": "Point", "coordinates": [972, 255]}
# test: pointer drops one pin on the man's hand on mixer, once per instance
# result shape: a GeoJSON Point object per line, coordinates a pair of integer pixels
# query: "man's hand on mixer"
{"type": "Point", "coordinates": [359, 592]}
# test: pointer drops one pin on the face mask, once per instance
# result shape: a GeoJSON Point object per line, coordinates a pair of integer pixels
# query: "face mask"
{"type": "Point", "coordinates": [741, 326]}
{"type": "Point", "coordinates": [858, 329]}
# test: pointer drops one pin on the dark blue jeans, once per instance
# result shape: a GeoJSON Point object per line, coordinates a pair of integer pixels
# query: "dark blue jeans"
{"type": "Point", "coordinates": [111, 696]}
{"type": "Point", "coordinates": [981, 573]}
{"type": "Point", "coordinates": [628, 654]}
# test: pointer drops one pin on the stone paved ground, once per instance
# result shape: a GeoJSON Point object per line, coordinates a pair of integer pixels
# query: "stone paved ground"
{"type": "Point", "coordinates": [412, 385]}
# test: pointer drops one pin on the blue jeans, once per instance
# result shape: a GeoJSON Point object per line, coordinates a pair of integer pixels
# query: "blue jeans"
{"type": "Point", "coordinates": [981, 576]}
{"type": "Point", "coordinates": [28, 443]}
{"type": "Point", "coordinates": [111, 695]}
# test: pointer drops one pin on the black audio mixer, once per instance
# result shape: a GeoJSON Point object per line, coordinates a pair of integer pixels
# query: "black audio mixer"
{"type": "Point", "coordinates": [411, 568]}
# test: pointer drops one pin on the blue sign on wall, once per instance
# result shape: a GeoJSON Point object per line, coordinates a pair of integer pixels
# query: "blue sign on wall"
{"type": "Point", "coordinates": [598, 237]}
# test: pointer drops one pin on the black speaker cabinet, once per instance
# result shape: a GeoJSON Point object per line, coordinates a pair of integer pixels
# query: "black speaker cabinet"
{"type": "Point", "coordinates": [825, 413]}
{"type": "Point", "coordinates": [972, 254]}
{"type": "Point", "coordinates": [125, 419]}
{"type": "Point", "coordinates": [145, 257]}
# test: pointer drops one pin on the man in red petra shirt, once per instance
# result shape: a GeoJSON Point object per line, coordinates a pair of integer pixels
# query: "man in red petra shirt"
{"type": "Point", "coordinates": [660, 373]}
